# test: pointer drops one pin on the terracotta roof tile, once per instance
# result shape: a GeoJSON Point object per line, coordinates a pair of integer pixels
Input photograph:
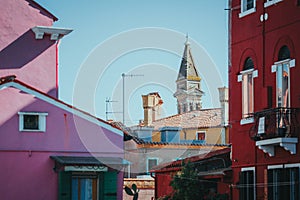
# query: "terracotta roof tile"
{"type": "Point", "coordinates": [194, 119]}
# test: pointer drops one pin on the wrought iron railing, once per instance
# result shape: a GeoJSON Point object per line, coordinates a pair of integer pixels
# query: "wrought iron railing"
{"type": "Point", "coordinates": [276, 122]}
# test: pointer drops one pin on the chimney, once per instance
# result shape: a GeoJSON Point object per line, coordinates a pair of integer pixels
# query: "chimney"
{"type": "Point", "coordinates": [152, 107]}
{"type": "Point", "coordinates": [224, 98]}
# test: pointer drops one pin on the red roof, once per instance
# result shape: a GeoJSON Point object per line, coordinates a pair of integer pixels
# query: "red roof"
{"type": "Point", "coordinates": [177, 165]}
{"type": "Point", "coordinates": [204, 118]}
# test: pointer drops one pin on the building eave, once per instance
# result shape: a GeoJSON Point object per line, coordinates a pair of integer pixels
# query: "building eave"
{"type": "Point", "coordinates": [55, 32]}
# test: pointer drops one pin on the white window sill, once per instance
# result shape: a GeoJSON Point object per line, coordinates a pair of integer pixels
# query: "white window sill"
{"type": "Point", "coordinates": [248, 120]}
{"type": "Point", "coordinates": [247, 12]}
{"type": "Point", "coordinates": [270, 3]}
{"type": "Point", "coordinates": [32, 130]}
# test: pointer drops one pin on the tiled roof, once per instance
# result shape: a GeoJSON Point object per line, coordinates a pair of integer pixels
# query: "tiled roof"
{"type": "Point", "coordinates": [141, 141]}
{"type": "Point", "coordinates": [178, 163]}
{"type": "Point", "coordinates": [149, 144]}
{"type": "Point", "coordinates": [195, 119]}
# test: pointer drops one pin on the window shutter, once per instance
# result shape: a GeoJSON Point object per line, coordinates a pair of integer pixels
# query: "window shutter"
{"type": "Point", "coordinates": [270, 182]}
{"type": "Point", "coordinates": [292, 178]}
{"type": "Point", "coordinates": [239, 77]}
{"type": "Point", "coordinates": [250, 184]}
{"type": "Point", "coordinates": [255, 73]}
{"type": "Point", "coordinates": [242, 185]}
{"type": "Point", "coordinates": [270, 100]}
{"type": "Point", "coordinates": [110, 186]}
{"type": "Point", "coordinates": [292, 63]}
{"type": "Point", "coordinates": [283, 174]}
{"type": "Point", "coordinates": [64, 185]}
{"type": "Point", "coordinates": [274, 68]}
{"type": "Point", "coordinates": [297, 196]}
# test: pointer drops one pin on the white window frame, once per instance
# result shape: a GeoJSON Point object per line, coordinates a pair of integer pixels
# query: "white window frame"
{"type": "Point", "coordinates": [41, 125]}
{"type": "Point", "coordinates": [147, 162]}
{"type": "Point", "coordinates": [274, 68]}
{"type": "Point", "coordinates": [254, 73]}
{"type": "Point", "coordinates": [254, 179]}
{"type": "Point", "coordinates": [244, 11]}
{"type": "Point", "coordinates": [271, 2]}
{"type": "Point", "coordinates": [291, 165]}
{"type": "Point", "coordinates": [198, 132]}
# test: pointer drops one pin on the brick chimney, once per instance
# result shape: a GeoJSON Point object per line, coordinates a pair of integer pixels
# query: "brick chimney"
{"type": "Point", "coordinates": [152, 107]}
{"type": "Point", "coordinates": [224, 98]}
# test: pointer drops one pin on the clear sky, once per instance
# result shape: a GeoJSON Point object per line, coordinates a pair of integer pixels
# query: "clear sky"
{"type": "Point", "coordinates": [137, 37]}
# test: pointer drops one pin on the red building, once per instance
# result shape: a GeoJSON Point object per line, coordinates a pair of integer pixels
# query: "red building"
{"type": "Point", "coordinates": [264, 98]}
{"type": "Point", "coordinates": [213, 170]}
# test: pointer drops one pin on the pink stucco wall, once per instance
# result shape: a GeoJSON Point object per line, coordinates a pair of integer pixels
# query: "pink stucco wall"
{"type": "Point", "coordinates": [27, 175]}
{"type": "Point", "coordinates": [64, 131]}
{"type": "Point", "coordinates": [26, 170]}
{"type": "Point", "coordinates": [24, 156]}
{"type": "Point", "coordinates": [32, 61]}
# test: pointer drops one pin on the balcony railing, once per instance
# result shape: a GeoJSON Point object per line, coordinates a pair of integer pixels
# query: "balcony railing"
{"type": "Point", "coordinates": [274, 123]}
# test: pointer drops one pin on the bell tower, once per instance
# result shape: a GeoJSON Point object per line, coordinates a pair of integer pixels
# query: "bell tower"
{"type": "Point", "coordinates": [188, 92]}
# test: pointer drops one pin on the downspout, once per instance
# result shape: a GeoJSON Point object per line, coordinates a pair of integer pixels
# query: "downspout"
{"type": "Point", "coordinates": [56, 67]}
{"type": "Point", "coordinates": [264, 18]}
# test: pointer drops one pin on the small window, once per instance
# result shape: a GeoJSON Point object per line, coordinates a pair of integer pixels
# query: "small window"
{"type": "Point", "coordinates": [198, 106]}
{"type": "Point", "coordinates": [184, 108]}
{"type": "Point", "coordinates": [200, 136]}
{"type": "Point", "coordinates": [151, 162]}
{"type": "Point", "coordinates": [247, 7]}
{"type": "Point", "coordinates": [191, 107]}
{"type": "Point", "coordinates": [32, 121]}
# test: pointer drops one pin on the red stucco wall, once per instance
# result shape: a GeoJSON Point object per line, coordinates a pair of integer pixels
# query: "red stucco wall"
{"type": "Point", "coordinates": [250, 37]}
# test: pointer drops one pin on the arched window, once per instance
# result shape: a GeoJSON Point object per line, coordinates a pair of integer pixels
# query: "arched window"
{"type": "Point", "coordinates": [248, 64]}
{"type": "Point", "coordinates": [282, 77]}
{"type": "Point", "coordinates": [191, 107]}
{"type": "Point", "coordinates": [284, 53]}
{"type": "Point", "coordinates": [246, 78]}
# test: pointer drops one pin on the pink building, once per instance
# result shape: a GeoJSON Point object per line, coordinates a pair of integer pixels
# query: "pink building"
{"type": "Point", "coordinates": [48, 149]}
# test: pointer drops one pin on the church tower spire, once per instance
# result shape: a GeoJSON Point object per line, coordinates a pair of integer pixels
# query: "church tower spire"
{"type": "Point", "coordinates": [188, 92]}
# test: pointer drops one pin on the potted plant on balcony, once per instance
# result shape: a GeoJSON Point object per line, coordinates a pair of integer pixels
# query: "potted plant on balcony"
{"type": "Point", "coordinates": [282, 131]}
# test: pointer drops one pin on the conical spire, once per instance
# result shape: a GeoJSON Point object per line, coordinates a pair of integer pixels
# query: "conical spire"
{"type": "Point", "coordinates": [187, 69]}
{"type": "Point", "coordinates": [188, 92]}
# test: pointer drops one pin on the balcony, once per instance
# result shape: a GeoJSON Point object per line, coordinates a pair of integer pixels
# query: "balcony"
{"type": "Point", "coordinates": [276, 127]}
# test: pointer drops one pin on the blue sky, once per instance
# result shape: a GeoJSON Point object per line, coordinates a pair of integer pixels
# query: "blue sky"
{"type": "Point", "coordinates": [137, 37]}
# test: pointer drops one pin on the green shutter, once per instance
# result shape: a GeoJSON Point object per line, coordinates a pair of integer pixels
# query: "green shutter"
{"type": "Point", "coordinates": [242, 183]}
{"type": "Point", "coordinates": [110, 185]}
{"type": "Point", "coordinates": [64, 185]}
{"type": "Point", "coordinates": [270, 184]}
